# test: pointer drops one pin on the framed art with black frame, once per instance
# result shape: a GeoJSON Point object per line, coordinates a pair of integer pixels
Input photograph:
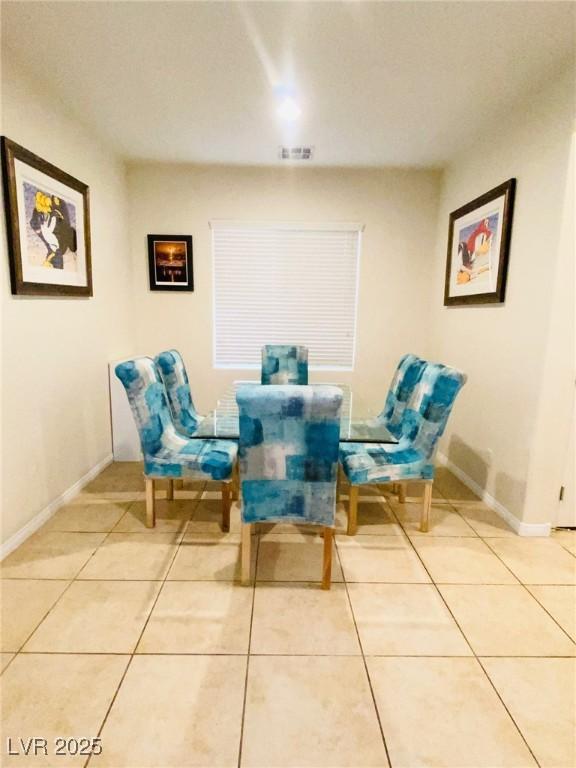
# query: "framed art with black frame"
{"type": "Point", "coordinates": [170, 262]}
{"type": "Point", "coordinates": [48, 223]}
{"type": "Point", "coordinates": [478, 248]}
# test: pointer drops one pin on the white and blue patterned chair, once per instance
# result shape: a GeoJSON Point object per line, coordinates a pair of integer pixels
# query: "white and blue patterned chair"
{"type": "Point", "coordinates": [288, 457]}
{"type": "Point", "coordinates": [412, 459]}
{"type": "Point", "coordinates": [168, 455]}
{"type": "Point", "coordinates": [175, 378]}
{"type": "Point", "coordinates": [284, 364]}
{"type": "Point", "coordinates": [406, 376]}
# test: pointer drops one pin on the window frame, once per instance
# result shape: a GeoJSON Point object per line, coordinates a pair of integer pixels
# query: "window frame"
{"type": "Point", "coordinates": [335, 226]}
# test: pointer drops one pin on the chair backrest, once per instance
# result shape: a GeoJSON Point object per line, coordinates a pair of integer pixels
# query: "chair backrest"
{"type": "Point", "coordinates": [429, 407]}
{"type": "Point", "coordinates": [406, 376]}
{"type": "Point", "coordinates": [175, 378]}
{"type": "Point", "coordinates": [288, 452]}
{"type": "Point", "coordinates": [147, 398]}
{"type": "Point", "coordinates": [284, 364]}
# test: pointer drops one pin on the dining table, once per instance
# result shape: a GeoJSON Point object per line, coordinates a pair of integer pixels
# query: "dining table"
{"type": "Point", "coordinates": [357, 425]}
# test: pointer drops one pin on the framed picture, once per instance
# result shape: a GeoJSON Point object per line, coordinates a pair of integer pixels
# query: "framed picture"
{"type": "Point", "coordinates": [48, 222]}
{"type": "Point", "coordinates": [478, 246]}
{"type": "Point", "coordinates": [170, 262]}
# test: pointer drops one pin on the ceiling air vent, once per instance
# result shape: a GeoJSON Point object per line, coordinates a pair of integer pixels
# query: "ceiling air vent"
{"type": "Point", "coordinates": [296, 153]}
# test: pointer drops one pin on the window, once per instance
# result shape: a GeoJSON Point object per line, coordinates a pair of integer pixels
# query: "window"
{"type": "Point", "coordinates": [285, 284]}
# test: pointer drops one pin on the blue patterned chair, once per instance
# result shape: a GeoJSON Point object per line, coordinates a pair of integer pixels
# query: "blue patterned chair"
{"type": "Point", "coordinates": [406, 376]}
{"type": "Point", "coordinates": [175, 378]}
{"type": "Point", "coordinates": [284, 364]}
{"type": "Point", "coordinates": [412, 459]}
{"type": "Point", "coordinates": [168, 455]}
{"type": "Point", "coordinates": [288, 457]}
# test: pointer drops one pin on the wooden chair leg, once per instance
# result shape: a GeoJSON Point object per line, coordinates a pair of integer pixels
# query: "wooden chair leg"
{"type": "Point", "coordinates": [352, 510]}
{"type": "Point", "coordinates": [235, 483]}
{"type": "Point", "coordinates": [340, 483]}
{"type": "Point", "coordinates": [150, 505]}
{"type": "Point", "coordinates": [170, 490]}
{"type": "Point", "coordinates": [426, 506]}
{"type": "Point", "coordinates": [402, 493]}
{"type": "Point", "coordinates": [178, 485]}
{"type": "Point", "coordinates": [226, 492]}
{"type": "Point", "coordinates": [327, 560]}
{"type": "Point", "coordinates": [246, 544]}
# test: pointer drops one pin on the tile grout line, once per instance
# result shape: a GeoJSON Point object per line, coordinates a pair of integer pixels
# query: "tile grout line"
{"type": "Point", "coordinates": [486, 541]}
{"type": "Point", "coordinates": [240, 745]}
{"type": "Point", "coordinates": [534, 596]}
{"type": "Point", "coordinates": [364, 662]}
{"type": "Point", "coordinates": [274, 655]}
{"type": "Point", "coordinates": [128, 665]}
{"type": "Point", "coordinates": [60, 596]}
{"type": "Point", "coordinates": [45, 616]}
{"type": "Point", "coordinates": [491, 683]}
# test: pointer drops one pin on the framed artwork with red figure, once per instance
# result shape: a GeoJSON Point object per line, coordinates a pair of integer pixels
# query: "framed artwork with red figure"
{"type": "Point", "coordinates": [478, 248]}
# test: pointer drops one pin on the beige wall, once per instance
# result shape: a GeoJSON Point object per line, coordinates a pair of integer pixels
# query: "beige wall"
{"type": "Point", "coordinates": [397, 207]}
{"type": "Point", "coordinates": [508, 429]}
{"type": "Point", "coordinates": [508, 432]}
{"type": "Point", "coordinates": [55, 412]}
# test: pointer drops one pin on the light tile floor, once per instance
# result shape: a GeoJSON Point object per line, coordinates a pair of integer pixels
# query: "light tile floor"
{"type": "Point", "coordinates": [455, 648]}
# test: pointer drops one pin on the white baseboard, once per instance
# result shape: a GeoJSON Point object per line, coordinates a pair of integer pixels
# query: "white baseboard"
{"type": "Point", "coordinates": [522, 529]}
{"type": "Point", "coordinates": [46, 513]}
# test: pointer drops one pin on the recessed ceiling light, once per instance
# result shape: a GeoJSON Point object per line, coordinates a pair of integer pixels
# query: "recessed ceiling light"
{"type": "Point", "coordinates": [288, 109]}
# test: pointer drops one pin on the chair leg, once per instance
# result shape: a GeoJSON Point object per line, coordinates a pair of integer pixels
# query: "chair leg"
{"type": "Point", "coordinates": [235, 483]}
{"type": "Point", "coordinates": [426, 506]}
{"type": "Point", "coordinates": [402, 493]}
{"type": "Point", "coordinates": [340, 482]}
{"type": "Point", "coordinates": [226, 492]}
{"type": "Point", "coordinates": [170, 490]}
{"type": "Point", "coordinates": [150, 504]}
{"type": "Point", "coordinates": [327, 561]}
{"type": "Point", "coordinates": [352, 510]}
{"type": "Point", "coordinates": [246, 544]}
{"type": "Point", "coordinates": [178, 485]}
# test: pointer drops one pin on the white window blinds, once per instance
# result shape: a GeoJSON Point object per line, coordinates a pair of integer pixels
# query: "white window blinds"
{"type": "Point", "coordinates": [285, 284]}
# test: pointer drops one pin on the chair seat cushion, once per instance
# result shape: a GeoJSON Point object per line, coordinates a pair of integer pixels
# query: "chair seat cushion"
{"type": "Point", "coordinates": [196, 459]}
{"type": "Point", "coordinates": [365, 463]}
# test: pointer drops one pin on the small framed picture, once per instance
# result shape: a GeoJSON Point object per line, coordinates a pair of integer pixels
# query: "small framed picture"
{"type": "Point", "coordinates": [170, 262]}
{"type": "Point", "coordinates": [48, 223]}
{"type": "Point", "coordinates": [478, 248]}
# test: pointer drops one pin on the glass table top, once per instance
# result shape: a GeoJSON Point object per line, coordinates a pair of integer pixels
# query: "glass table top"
{"type": "Point", "coordinates": [355, 426]}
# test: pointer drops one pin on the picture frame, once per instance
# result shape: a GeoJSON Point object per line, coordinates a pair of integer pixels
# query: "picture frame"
{"type": "Point", "coordinates": [479, 247]}
{"type": "Point", "coordinates": [48, 226]}
{"type": "Point", "coordinates": [170, 263]}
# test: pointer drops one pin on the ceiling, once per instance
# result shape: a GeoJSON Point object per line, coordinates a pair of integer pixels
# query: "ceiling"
{"type": "Point", "coordinates": [379, 83]}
